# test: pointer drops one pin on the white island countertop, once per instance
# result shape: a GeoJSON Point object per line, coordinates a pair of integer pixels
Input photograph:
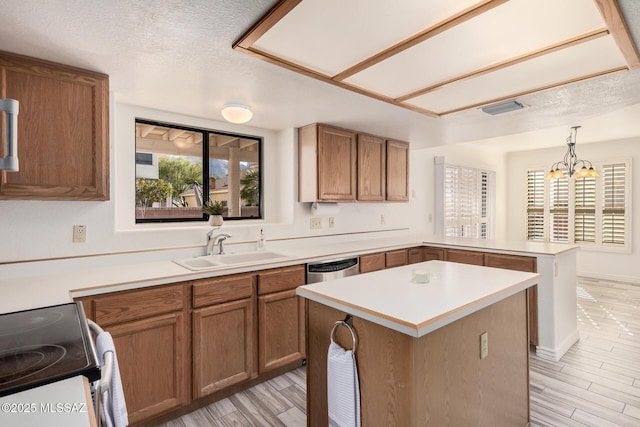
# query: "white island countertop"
{"type": "Point", "coordinates": [390, 298]}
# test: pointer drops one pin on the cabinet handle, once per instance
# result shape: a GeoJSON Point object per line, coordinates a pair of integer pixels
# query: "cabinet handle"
{"type": "Point", "coordinates": [10, 162]}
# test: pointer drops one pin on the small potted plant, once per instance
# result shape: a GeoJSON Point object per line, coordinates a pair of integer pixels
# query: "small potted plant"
{"type": "Point", "coordinates": [214, 210]}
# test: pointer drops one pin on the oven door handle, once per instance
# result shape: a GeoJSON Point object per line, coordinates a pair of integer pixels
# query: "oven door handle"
{"type": "Point", "coordinates": [106, 374]}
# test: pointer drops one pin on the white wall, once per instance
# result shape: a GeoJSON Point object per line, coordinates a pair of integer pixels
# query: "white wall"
{"type": "Point", "coordinates": [422, 206]}
{"type": "Point", "coordinates": [41, 230]}
{"type": "Point", "coordinates": [600, 264]}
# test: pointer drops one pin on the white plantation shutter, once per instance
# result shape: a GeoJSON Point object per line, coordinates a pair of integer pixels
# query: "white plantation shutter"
{"type": "Point", "coordinates": [613, 203]}
{"type": "Point", "coordinates": [466, 202]}
{"type": "Point", "coordinates": [559, 210]}
{"type": "Point", "coordinates": [585, 210]}
{"type": "Point", "coordinates": [535, 204]}
{"type": "Point", "coordinates": [593, 212]}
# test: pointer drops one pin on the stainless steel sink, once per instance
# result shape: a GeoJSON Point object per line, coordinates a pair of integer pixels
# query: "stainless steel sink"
{"type": "Point", "coordinates": [208, 262]}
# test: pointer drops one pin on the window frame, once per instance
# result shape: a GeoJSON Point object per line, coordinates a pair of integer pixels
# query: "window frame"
{"type": "Point", "coordinates": [205, 169]}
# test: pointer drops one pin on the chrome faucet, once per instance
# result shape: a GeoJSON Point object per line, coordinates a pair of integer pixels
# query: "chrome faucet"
{"type": "Point", "coordinates": [212, 241]}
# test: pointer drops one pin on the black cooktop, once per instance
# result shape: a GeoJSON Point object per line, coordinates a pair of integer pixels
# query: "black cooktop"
{"type": "Point", "coordinates": [45, 345]}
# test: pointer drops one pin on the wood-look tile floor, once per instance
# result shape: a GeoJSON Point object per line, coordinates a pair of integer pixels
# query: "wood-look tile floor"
{"type": "Point", "coordinates": [597, 383]}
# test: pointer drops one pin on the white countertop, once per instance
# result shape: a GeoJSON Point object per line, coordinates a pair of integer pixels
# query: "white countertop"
{"type": "Point", "coordinates": [43, 289]}
{"type": "Point", "coordinates": [390, 298]}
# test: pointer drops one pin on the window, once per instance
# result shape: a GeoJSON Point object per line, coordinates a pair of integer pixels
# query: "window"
{"type": "Point", "coordinates": [468, 202]}
{"type": "Point", "coordinates": [559, 210]}
{"type": "Point", "coordinates": [592, 212]}
{"type": "Point", "coordinates": [178, 168]}
{"type": "Point", "coordinates": [535, 205]}
{"type": "Point", "coordinates": [613, 204]}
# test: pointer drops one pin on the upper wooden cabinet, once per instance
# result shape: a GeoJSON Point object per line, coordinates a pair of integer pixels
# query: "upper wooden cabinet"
{"type": "Point", "coordinates": [326, 164]}
{"type": "Point", "coordinates": [340, 165]}
{"type": "Point", "coordinates": [371, 168]}
{"type": "Point", "coordinates": [397, 171]}
{"type": "Point", "coordinates": [63, 130]}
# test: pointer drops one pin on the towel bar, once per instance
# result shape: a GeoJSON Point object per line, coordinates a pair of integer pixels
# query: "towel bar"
{"type": "Point", "coordinates": [346, 323]}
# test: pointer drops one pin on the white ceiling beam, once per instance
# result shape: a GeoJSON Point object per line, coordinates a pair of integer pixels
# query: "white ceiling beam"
{"type": "Point", "coordinates": [618, 27]}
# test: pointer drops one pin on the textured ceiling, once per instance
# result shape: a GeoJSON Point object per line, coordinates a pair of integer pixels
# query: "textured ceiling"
{"type": "Point", "coordinates": [177, 56]}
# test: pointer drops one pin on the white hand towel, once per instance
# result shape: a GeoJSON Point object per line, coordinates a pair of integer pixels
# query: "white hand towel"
{"type": "Point", "coordinates": [343, 390]}
{"type": "Point", "coordinates": [114, 408]}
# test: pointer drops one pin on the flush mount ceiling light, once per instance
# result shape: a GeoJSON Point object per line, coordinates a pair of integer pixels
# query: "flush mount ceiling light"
{"type": "Point", "coordinates": [502, 107]}
{"type": "Point", "coordinates": [571, 161]}
{"type": "Point", "coordinates": [236, 113]}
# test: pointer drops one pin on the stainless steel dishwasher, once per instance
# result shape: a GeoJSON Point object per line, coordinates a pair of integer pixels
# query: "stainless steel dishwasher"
{"type": "Point", "coordinates": [332, 269]}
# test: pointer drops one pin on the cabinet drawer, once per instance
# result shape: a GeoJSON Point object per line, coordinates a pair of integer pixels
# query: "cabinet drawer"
{"type": "Point", "coordinates": [512, 262]}
{"type": "Point", "coordinates": [396, 258]}
{"type": "Point", "coordinates": [222, 289]}
{"type": "Point", "coordinates": [372, 262]}
{"type": "Point", "coordinates": [465, 257]}
{"type": "Point", "coordinates": [430, 254]}
{"type": "Point", "coordinates": [280, 279]}
{"type": "Point", "coordinates": [133, 305]}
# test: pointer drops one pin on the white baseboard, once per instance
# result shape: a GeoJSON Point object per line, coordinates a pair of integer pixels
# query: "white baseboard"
{"type": "Point", "coordinates": [610, 277]}
{"type": "Point", "coordinates": [555, 354]}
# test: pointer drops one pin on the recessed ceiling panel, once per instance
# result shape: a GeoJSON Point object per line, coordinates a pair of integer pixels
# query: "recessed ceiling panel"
{"type": "Point", "coordinates": [329, 36]}
{"type": "Point", "coordinates": [515, 28]}
{"type": "Point", "coordinates": [441, 56]}
{"type": "Point", "coordinates": [599, 55]}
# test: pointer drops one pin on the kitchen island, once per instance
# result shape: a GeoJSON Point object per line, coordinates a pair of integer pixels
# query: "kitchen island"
{"type": "Point", "coordinates": [418, 352]}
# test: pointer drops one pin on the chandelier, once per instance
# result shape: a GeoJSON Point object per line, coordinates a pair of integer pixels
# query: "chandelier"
{"type": "Point", "coordinates": [571, 161]}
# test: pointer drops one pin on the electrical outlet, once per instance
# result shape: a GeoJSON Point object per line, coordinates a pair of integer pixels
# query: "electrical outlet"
{"type": "Point", "coordinates": [79, 233]}
{"type": "Point", "coordinates": [484, 345]}
{"type": "Point", "coordinates": [316, 223]}
{"type": "Point", "coordinates": [331, 222]}
{"type": "Point", "coordinates": [383, 220]}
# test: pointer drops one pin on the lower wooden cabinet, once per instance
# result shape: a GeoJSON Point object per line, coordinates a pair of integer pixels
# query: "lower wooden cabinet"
{"type": "Point", "coordinates": [152, 357]}
{"type": "Point", "coordinates": [465, 257]}
{"type": "Point", "coordinates": [223, 346]}
{"type": "Point", "coordinates": [396, 258]}
{"type": "Point", "coordinates": [151, 335]}
{"type": "Point", "coordinates": [416, 255]}
{"type": "Point", "coordinates": [430, 254]}
{"type": "Point", "coordinates": [372, 262]}
{"type": "Point", "coordinates": [281, 326]}
{"type": "Point", "coordinates": [281, 335]}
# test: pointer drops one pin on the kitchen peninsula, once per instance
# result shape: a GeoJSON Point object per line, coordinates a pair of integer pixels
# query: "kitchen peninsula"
{"type": "Point", "coordinates": [418, 344]}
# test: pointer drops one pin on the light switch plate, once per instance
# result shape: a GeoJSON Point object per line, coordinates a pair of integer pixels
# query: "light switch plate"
{"type": "Point", "coordinates": [316, 223]}
{"type": "Point", "coordinates": [484, 345]}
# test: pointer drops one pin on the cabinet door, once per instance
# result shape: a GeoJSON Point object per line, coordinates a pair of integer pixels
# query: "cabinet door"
{"type": "Point", "coordinates": [416, 255]}
{"type": "Point", "coordinates": [63, 139]}
{"type": "Point", "coordinates": [281, 330]}
{"type": "Point", "coordinates": [430, 254]}
{"type": "Point", "coordinates": [153, 364]}
{"type": "Point", "coordinates": [396, 258]}
{"type": "Point", "coordinates": [371, 168]}
{"type": "Point", "coordinates": [223, 350]}
{"type": "Point", "coordinates": [336, 164]}
{"type": "Point", "coordinates": [372, 262]}
{"type": "Point", "coordinates": [397, 171]}
{"type": "Point", "coordinates": [465, 257]}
